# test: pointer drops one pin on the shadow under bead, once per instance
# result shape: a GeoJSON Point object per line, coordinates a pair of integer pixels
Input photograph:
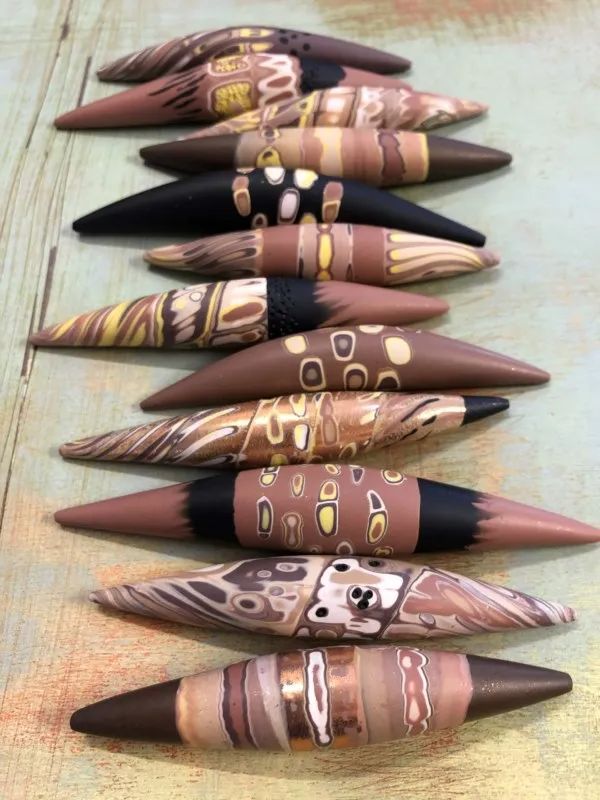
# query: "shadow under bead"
{"type": "Point", "coordinates": [322, 252]}
{"type": "Point", "coordinates": [185, 52]}
{"type": "Point", "coordinates": [375, 157]}
{"type": "Point", "coordinates": [256, 198]}
{"type": "Point", "coordinates": [366, 357]}
{"type": "Point", "coordinates": [332, 509]}
{"type": "Point", "coordinates": [321, 698]}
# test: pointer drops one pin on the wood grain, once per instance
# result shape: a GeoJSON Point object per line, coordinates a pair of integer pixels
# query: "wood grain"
{"type": "Point", "coordinates": [535, 64]}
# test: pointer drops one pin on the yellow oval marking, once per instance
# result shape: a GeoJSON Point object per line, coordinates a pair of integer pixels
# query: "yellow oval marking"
{"type": "Point", "coordinates": [305, 178]}
{"type": "Point", "coordinates": [377, 527]}
{"type": "Point", "coordinates": [327, 518]}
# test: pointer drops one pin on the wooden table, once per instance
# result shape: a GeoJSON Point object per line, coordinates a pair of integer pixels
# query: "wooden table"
{"type": "Point", "coordinates": [535, 63]}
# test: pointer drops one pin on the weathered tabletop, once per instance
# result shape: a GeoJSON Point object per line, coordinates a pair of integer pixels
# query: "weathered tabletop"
{"type": "Point", "coordinates": [535, 63]}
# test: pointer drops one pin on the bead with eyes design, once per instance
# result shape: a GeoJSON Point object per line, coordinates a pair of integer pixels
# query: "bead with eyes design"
{"type": "Point", "coordinates": [354, 598]}
{"type": "Point", "coordinates": [363, 598]}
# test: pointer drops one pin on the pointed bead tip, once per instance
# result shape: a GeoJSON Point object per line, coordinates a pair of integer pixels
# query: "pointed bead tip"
{"type": "Point", "coordinates": [452, 158]}
{"type": "Point", "coordinates": [388, 64]}
{"type": "Point", "coordinates": [479, 407]}
{"type": "Point", "coordinates": [534, 375]}
{"type": "Point", "coordinates": [163, 256]}
{"type": "Point", "coordinates": [78, 119]}
{"type": "Point", "coordinates": [38, 339]}
{"type": "Point", "coordinates": [67, 517]}
{"type": "Point", "coordinates": [580, 533]}
{"type": "Point", "coordinates": [469, 109]}
{"type": "Point", "coordinates": [65, 449]}
{"type": "Point", "coordinates": [64, 122]}
{"type": "Point", "coordinates": [151, 402]}
{"type": "Point", "coordinates": [96, 597]}
{"type": "Point", "coordinates": [434, 307]}
{"type": "Point", "coordinates": [80, 721]}
{"type": "Point", "coordinates": [500, 686]}
{"type": "Point", "coordinates": [489, 257]}
{"type": "Point", "coordinates": [146, 714]}
{"type": "Point", "coordinates": [87, 515]}
{"type": "Point", "coordinates": [184, 393]}
{"type": "Point", "coordinates": [193, 155]}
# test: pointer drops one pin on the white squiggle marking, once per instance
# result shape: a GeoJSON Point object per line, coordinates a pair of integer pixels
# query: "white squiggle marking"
{"type": "Point", "coordinates": [317, 697]}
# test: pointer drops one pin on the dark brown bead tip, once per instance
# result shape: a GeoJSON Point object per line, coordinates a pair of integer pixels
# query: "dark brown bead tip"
{"type": "Point", "coordinates": [194, 155]}
{"type": "Point", "coordinates": [451, 158]}
{"type": "Point", "coordinates": [146, 714]}
{"type": "Point", "coordinates": [500, 686]}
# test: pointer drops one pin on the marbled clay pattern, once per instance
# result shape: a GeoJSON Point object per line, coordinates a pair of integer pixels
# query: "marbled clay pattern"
{"type": "Point", "coordinates": [343, 696]}
{"type": "Point", "coordinates": [236, 313]}
{"type": "Point", "coordinates": [377, 157]}
{"type": "Point", "coordinates": [218, 89]}
{"type": "Point", "coordinates": [322, 697]}
{"type": "Point", "coordinates": [185, 52]}
{"type": "Point", "coordinates": [353, 107]}
{"type": "Point", "coordinates": [205, 315]}
{"type": "Point", "coordinates": [249, 198]}
{"type": "Point", "coordinates": [294, 429]}
{"type": "Point", "coordinates": [323, 252]}
{"type": "Point", "coordinates": [356, 358]}
{"type": "Point", "coordinates": [334, 598]}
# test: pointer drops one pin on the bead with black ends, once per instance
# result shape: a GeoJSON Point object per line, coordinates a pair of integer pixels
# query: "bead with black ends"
{"type": "Point", "coordinates": [319, 75]}
{"type": "Point", "coordinates": [204, 204]}
{"type": "Point", "coordinates": [449, 518]}
{"type": "Point", "coordinates": [210, 507]}
{"type": "Point", "coordinates": [292, 307]}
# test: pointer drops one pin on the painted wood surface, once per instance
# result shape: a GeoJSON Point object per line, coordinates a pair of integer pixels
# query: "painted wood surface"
{"type": "Point", "coordinates": [536, 64]}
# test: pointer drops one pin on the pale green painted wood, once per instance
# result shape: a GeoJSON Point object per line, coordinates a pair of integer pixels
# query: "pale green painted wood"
{"type": "Point", "coordinates": [535, 63]}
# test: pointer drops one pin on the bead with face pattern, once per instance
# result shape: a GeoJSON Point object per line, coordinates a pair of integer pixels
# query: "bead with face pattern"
{"type": "Point", "coordinates": [334, 597]}
{"type": "Point", "coordinates": [255, 198]}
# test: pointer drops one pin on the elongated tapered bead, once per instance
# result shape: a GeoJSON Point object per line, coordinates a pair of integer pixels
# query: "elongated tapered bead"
{"type": "Point", "coordinates": [323, 697]}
